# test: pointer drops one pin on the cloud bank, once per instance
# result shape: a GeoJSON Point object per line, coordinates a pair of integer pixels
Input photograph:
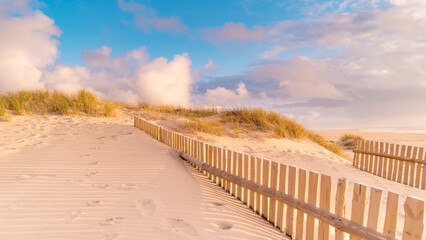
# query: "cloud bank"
{"type": "Point", "coordinates": [27, 47]}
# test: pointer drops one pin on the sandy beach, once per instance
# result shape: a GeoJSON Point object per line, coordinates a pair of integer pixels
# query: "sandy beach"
{"type": "Point", "coordinates": [100, 178]}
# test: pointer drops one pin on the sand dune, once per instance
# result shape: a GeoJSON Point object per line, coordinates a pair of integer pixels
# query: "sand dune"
{"type": "Point", "coordinates": [88, 178]}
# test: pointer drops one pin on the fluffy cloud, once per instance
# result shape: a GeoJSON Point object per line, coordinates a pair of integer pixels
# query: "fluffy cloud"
{"type": "Point", "coordinates": [131, 77]}
{"type": "Point", "coordinates": [233, 32]}
{"type": "Point", "coordinates": [28, 51]}
{"type": "Point", "coordinates": [146, 18]}
{"type": "Point", "coordinates": [27, 47]}
{"type": "Point", "coordinates": [221, 96]}
{"type": "Point", "coordinates": [165, 82]}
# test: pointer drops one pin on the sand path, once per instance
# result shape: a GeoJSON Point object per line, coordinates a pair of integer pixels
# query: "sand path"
{"type": "Point", "coordinates": [86, 178]}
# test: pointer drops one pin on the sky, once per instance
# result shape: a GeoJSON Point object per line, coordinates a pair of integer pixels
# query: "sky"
{"type": "Point", "coordinates": [326, 64]}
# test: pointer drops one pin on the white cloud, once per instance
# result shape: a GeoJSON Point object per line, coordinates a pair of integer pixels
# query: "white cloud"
{"type": "Point", "coordinates": [130, 78]}
{"type": "Point", "coordinates": [27, 47]}
{"type": "Point", "coordinates": [67, 78]}
{"type": "Point", "coordinates": [165, 82]}
{"type": "Point", "coordinates": [221, 96]}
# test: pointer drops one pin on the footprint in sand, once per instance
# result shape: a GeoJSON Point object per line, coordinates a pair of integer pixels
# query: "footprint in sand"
{"type": "Point", "coordinates": [94, 163]}
{"type": "Point", "coordinates": [128, 186]}
{"type": "Point", "coordinates": [103, 186]}
{"type": "Point", "coordinates": [15, 206]}
{"type": "Point", "coordinates": [81, 182]}
{"type": "Point", "coordinates": [225, 225]}
{"type": "Point", "coordinates": [145, 207]}
{"type": "Point", "coordinates": [92, 174]}
{"type": "Point", "coordinates": [218, 204]}
{"type": "Point", "coordinates": [94, 203]}
{"type": "Point", "coordinates": [111, 221]}
{"type": "Point", "coordinates": [74, 215]}
{"type": "Point", "coordinates": [180, 226]}
{"type": "Point", "coordinates": [36, 177]}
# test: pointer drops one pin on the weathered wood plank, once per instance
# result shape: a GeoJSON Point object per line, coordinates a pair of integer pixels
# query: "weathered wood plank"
{"type": "Point", "coordinates": [359, 202]}
{"type": "Point", "coordinates": [340, 206]}
{"type": "Point", "coordinates": [413, 222]}
{"type": "Point", "coordinates": [282, 186]}
{"type": "Point", "coordinates": [265, 182]}
{"type": "Point", "coordinates": [291, 191]}
{"type": "Point", "coordinates": [374, 207]}
{"type": "Point", "coordinates": [273, 185]}
{"type": "Point", "coordinates": [312, 199]}
{"type": "Point", "coordinates": [301, 191]}
{"type": "Point", "coordinates": [325, 204]}
{"type": "Point", "coordinates": [391, 216]}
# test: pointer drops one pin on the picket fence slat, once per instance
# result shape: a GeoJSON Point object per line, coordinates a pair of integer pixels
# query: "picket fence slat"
{"type": "Point", "coordinates": [359, 202]}
{"type": "Point", "coordinates": [340, 205]}
{"type": "Point", "coordinates": [282, 183]}
{"type": "Point", "coordinates": [273, 185]}
{"type": "Point", "coordinates": [312, 199]}
{"type": "Point", "coordinates": [374, 207]}
{"type": "Point", "coordinates": [265, 182]}
{"type": "Point", "coordinates": [301, 191]}
{"type": "Point", "coordinates": [291, 190]}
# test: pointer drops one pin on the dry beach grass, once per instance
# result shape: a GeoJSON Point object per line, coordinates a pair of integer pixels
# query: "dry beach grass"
{"type": "Point", "coordinates": [208, 120]}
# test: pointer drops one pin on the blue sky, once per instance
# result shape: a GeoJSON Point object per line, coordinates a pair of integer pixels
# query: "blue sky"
{"type": "Point", "coordinates": [327, 64]}
{"type": "Point", "coordinates": [88, 25]}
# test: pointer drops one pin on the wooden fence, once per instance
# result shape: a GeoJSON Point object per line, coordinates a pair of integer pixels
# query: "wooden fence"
{"type": "Point", "coordinates": [311, 188]}
{"type": "Point", "coordinates": [400, 163]}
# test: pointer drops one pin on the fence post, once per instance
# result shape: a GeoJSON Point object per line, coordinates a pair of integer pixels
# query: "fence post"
{"type": "Point", "coordinates": [359, 201]}
{"type": "Point", "coordinates": [419, 168]}
{"type": "Point", "coordinates": [265, 182]}
{"type": "Point", "coordinates": [340, 208]}
{"type": "Point", "coordinates": [291, 190]}
{"type": "Point", "coordinates": [282, 183]}
{"type": "Point", "coordinates": [312, 199]}
{"type": "Point", "coordinates": [273, 201]}
{"type": "Point", "coordinates": [389, 227]}
{"type": "Point", "coordinates": [325, 203]}
{"type": "Point", "coordinates": [301, 191]}
{"type": "Point", "coordinates": [413, 221]}
{"type": "Point", "coordinates": [374, 207]}
{"type": "Point", "coordinates": [246, 176]}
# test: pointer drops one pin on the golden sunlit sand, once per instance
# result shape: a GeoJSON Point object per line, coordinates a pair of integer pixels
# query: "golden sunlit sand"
{"type": "Point", "coordinates": [101, 178]}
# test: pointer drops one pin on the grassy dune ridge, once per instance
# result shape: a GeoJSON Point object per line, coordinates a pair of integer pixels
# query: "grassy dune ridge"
{"type": "Point", "coordinates": [208, 120]}
{"type": "Point", "coordinates": [29, 102]}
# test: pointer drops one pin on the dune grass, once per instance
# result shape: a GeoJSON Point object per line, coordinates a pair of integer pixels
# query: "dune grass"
{"type": "Point", "coordinates": [260, 119]}
{"type": "Point", "coordinates": [179, 111]}
{"type": "Point", "coordinates": [279, 125]}
{"type": "Point", "coordinates": [29, 102]}
{"type": "Point", "coordinates": [349, 136]}
{"type": "Point", "coordinates": [3, 109]}
{"type": "Point", "coordinates": [207, 120]}
{"type": "Point", "coordinates": [213, 127]}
